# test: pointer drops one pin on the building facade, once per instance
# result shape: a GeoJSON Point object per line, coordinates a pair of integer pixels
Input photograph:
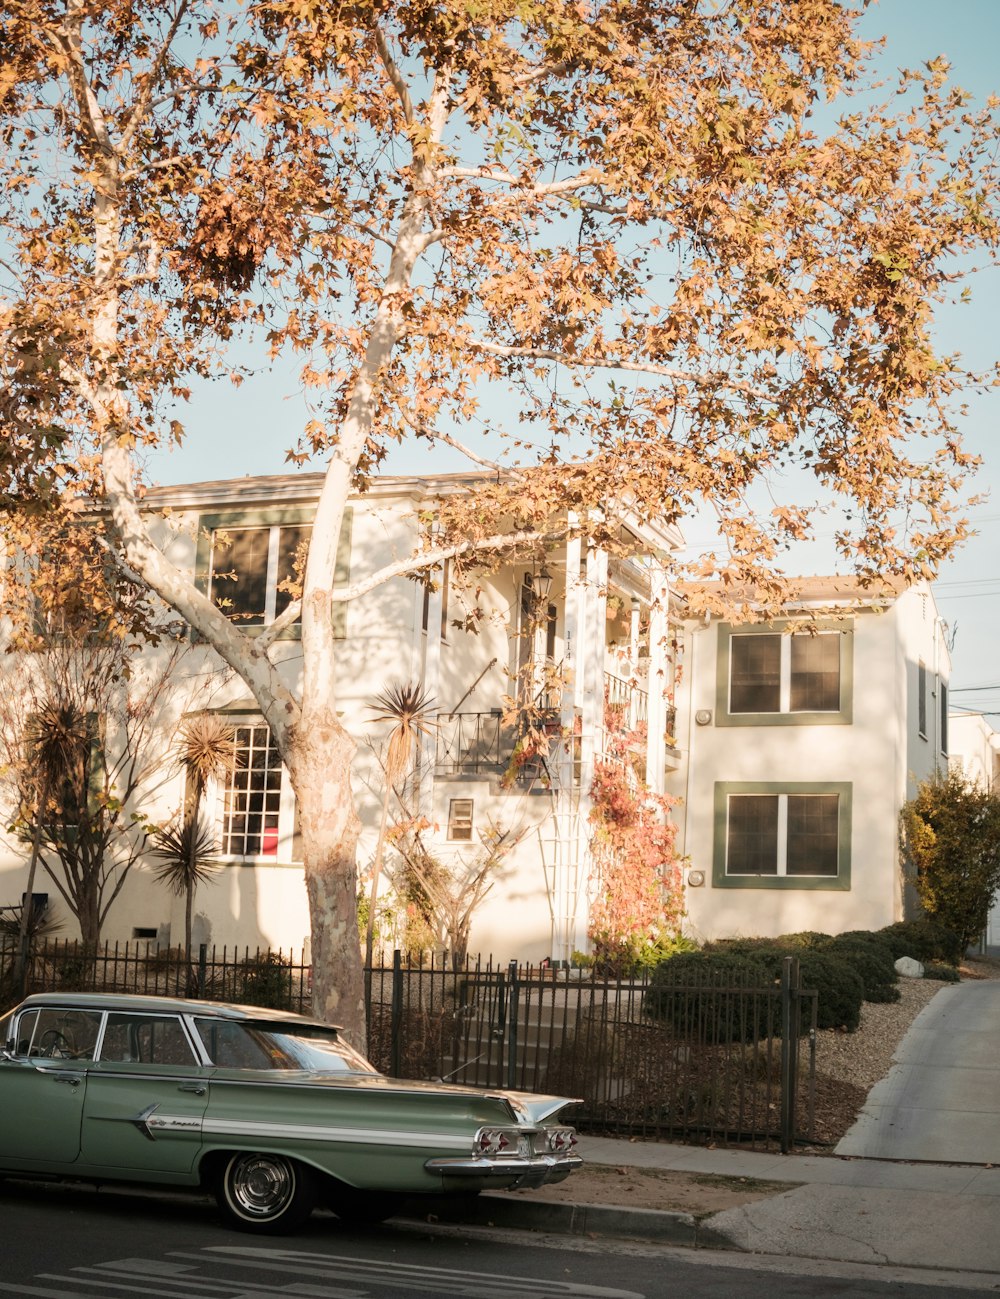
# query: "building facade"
{"type": "Point", "coordinates": [789, 747]}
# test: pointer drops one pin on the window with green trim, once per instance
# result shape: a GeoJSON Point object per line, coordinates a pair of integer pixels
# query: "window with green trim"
{"type": "Point", "coordinates": [770, 676]}
{"type": "Point", "coordinates": [249, 563]}
{"type": "Point", "coordinates": [782, 836]}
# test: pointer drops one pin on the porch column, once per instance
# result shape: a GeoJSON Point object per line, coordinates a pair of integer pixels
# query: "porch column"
{"type": "Point", "coordinates": [658, 683]}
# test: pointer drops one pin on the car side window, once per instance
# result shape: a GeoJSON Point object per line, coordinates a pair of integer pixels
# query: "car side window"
{"type": "Point", "coordinates": [232, 1046]}
{"type": "Point", "coordinates": [64, 1034]}
{"type": "Point", "coordinates": [24, 1030]}
{"type": "Point", "coordinates": [146, 1039]}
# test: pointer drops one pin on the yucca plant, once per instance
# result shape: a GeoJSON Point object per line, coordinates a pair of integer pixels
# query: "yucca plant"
{"type": "Point", "coordinates": [58, 739]}
{"type": "Point", "coordinates": [187, 856]}
{"type": "Point", "coordinates": [206, 750]}
{"type": "Point", "coordinates": [407, 706]}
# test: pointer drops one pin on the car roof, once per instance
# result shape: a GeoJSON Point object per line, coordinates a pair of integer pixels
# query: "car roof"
{"type": "Point", "coordinates": [126, 1001]}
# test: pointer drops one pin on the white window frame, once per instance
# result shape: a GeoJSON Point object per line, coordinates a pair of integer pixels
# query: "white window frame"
{"type": "Point", "coordinates": [215, 798]}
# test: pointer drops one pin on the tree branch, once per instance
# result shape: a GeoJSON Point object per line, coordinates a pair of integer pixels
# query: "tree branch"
{"type": "Point", "coordinates": [142, 104]}
{"type": "Point", "coordinates": [396, 77]}
{"type": "Point", "coordinates": [431, 558]}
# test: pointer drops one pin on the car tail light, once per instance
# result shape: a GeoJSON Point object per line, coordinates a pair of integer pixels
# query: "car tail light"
{"type": "Point", "coordinates": [560, 1141]}
{"type": "Point", "coordinates": [492, 1141]}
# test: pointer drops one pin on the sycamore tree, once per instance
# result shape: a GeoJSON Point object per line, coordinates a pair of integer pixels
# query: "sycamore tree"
{"type": "Point", "coordinates": [640, 223]}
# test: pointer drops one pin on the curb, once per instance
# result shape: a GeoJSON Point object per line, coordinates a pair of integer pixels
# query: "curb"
{"type": "Point", "coordinates": [494, 1209]}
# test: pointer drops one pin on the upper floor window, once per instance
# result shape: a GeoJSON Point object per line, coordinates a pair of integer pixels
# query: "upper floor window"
{"type": "Point", "coordinates": [768, 677]}
{"type": "Point", "coordinates": [252, 570]}
{"type": "Point", "coordinates": [249, 562]}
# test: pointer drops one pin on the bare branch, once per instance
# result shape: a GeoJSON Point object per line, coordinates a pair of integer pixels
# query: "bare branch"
{"type": "Point", "coordinates": [142, 104]}
{"type": "Point", "coordinates": [431, 558]}
{"type": "Point", "coordinates": [395, 76]}
{"type": "Point", "coordinates": [708, 378]}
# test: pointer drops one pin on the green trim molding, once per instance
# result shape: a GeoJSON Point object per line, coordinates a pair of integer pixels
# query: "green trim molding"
{"type": "Point", "coordinates": [843, 717]}
{"type": "Point", "coordinates": [841, 883]}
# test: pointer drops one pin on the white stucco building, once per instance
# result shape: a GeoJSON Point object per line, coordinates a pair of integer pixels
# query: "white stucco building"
{"type": "Point", "coordinates": [790, 746]}
{"type": "Point", "coordinates": [801, 739]}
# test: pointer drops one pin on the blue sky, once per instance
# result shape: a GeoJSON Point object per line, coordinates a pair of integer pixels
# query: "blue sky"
{"type": "Point", "coordinates": [249, 430]}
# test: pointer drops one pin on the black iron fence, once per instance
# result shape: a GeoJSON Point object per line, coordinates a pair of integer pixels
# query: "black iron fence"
{"type": "Point", "coordinates": [680, 1057]}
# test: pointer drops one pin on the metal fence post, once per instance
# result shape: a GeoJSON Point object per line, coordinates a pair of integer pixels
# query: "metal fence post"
{"type": "Point", "coordinates": [789, 1048]}
{"type": "Point", "coordinates": [512, 1006]}
{"type": "Point", "coordinates": [202, 968]}
{"type": "Point", "coordinates": [396, 1016]}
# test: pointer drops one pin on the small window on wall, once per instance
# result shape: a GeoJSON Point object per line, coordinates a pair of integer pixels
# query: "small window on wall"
{"type": "Point", "coordinates": [944, 719]}
{"type": "Point", "coordinates": [782, 836]}
{"type": "Point", "coordinates": [460, 819]}
{"type": "Point", "coordinates": [922, 699]}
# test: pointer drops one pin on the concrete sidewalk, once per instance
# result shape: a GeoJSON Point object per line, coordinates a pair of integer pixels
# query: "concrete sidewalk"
{"type": "Point", "coordinates": [915, 1184]}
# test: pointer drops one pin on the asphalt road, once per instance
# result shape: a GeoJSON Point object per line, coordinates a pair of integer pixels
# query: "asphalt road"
{"type": "Point", "coordinates": [60, 1242]}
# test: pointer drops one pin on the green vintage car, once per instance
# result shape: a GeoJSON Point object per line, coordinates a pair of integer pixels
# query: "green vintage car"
{"type": "Point", "coordinates": [273, 1112]}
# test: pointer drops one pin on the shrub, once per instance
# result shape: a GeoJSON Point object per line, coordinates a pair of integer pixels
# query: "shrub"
{"type": "Point", "coordinates": [713, 997]}
{"type": "Point", "coordinates": [805, 938]}
{"type": "Point", "coordinates": [265, 980]}
{"type": "Point", "coordinates": [924, 940]}
{"type": "Point", "coordinates": [841, 990]}
{"type": "Point", "coordinates": [872, 960]}
{"type": "Point", "coordinates": [946, 973]}
{"type": "Point", "coordinates": [951, 838]}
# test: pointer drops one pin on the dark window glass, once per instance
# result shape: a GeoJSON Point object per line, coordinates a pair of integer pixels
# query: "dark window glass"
{"type": "Point", "coordinates": [239, 573]}
{"type": "Point", "coordinates": [812, 834]}
{"type": "Point", "coordinates": [815, 685]}
{"type": "Point", "coordinates": [246, 1045]}
{"type": "Point", "coordinates": [755, 680]}
{"type": "Point", "coordinates": [922, 698]}
{"type": "Point", "coordinates": [753, 835]}
{"type": "Point", "coordinates": [293, 545]}
{"type": "Point", "coordinates": [146, 1039]}
{"type": "Point", "coordinates": [944, 718]}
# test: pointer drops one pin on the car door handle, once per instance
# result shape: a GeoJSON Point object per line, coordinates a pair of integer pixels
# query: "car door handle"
{"type": "Point", "coordinates": [73, 1080]}
{"type": "Point", "coordinates": [199, 1089]}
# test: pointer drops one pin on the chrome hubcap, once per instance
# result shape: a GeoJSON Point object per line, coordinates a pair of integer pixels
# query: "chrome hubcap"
{"type": "Point", "coordinates": [261, 1185]}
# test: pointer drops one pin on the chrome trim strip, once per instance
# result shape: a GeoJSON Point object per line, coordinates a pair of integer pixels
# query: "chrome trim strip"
{"type": "Point", "coordinates": [355, 1136]}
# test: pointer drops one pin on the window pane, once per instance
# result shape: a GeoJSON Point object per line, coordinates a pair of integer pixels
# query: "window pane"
{"type": "Point", "coordinates": [755, 674]}
{"type": "Point", "coordinates": [239, 573]}
{"type": "Point", "coordinates": [812, 834]}
{"type": "Point", "coordinates": [290, 541]}
{"type": "Point", "coordinates": [460, 818]}
{"type": "Point", "coordinates": [252, 796]}
{"type": "Point", "coordinates": [146, 1039]}
{"type": "Point", "coordinates": [816, 673]}
{"type": "Point", "coordinates": [753, 835]}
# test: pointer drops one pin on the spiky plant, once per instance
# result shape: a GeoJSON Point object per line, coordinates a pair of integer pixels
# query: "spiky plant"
{"type": "Point", "coordinates": [206, 750]}
{"type": "Point", "coordinates": [408, 707]}
{"type": "Point", "coordinates": [186, 853]}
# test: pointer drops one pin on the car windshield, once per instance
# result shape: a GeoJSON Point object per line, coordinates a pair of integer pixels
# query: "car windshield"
{"type": "Point", "coordinates": [236, 1044]}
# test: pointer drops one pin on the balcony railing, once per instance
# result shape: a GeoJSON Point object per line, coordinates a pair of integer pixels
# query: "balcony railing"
{"type": "Point", "coordinates": [472, 742]}
{"type": "Point", "coordinates": [628, 701]}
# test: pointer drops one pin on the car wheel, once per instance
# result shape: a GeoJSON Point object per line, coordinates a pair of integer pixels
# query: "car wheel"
{"type": "Point", "coordinates": [265, 1193]}
{"type": "Point", "coordinates": [363, 1207]}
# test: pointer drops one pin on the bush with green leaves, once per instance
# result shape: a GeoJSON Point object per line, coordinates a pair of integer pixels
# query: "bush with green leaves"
{"type": "Point", "coordinates": [872, 960]}
{"type": "Point", "coordinates": [950, 836]}
{"type": "Point", "coordinates": [713, 997]}
{"type": "Point", "coordinates": [944, 973]}
{"type": "Point", "coordinates": [728, 994]}
{"type": "Point", "coordinates": [924, 940]}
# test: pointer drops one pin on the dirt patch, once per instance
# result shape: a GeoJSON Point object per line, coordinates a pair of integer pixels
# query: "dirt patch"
{"type": "Point", "coordinates": [654, 1188]}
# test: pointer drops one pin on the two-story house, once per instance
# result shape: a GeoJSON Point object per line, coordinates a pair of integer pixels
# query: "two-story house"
{"type": "Point", "coordinates": [790, 746]}
{"type": "Point", "coordinates": [802, 738]}
{"type": "Point", "coordinates": [524, 676]}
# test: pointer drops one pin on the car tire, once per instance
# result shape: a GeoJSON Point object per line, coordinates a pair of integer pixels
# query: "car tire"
{"type": "Point", "coordinates": [264, 1193]}
{"type": "Point", "coordinates": [363, 1208]}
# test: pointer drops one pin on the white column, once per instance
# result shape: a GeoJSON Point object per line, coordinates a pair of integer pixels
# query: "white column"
{"type": "Point", "coordinates": [659, 683]}
{"type": "Point", "coordinates": [432, 686]}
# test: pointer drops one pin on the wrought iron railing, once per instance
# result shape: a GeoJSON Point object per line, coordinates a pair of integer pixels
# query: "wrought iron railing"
{"type": "Point", "coordinates": [691, 1057]}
